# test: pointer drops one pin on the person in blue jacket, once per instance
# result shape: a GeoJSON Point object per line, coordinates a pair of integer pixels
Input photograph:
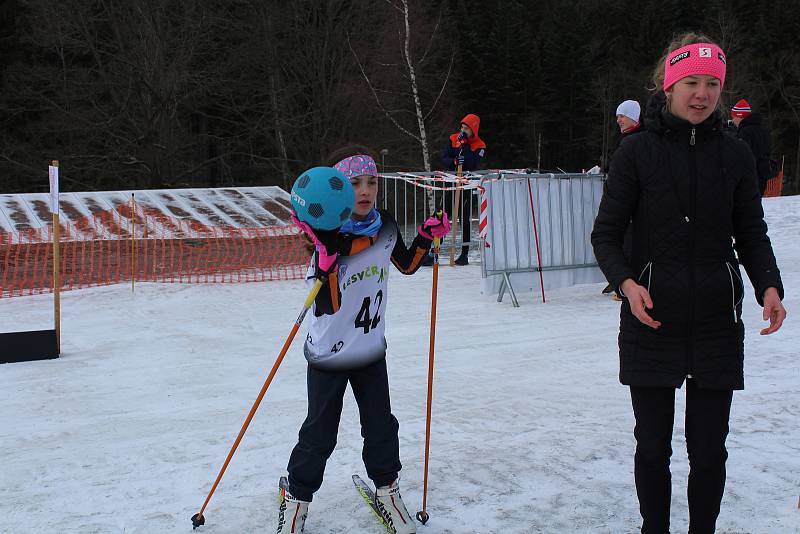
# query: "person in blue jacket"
{"type": "Point", "coordinates": [465, 148]}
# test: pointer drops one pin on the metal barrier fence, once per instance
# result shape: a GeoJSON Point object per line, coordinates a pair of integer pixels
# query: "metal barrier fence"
{"type": "Point", "coordinates": [539, 223]}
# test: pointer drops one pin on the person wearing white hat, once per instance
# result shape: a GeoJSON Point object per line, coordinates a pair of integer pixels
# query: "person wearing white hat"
{"type": "Point", "coordinates": [629, 122]}
{"type": "Point", "coordinates": [628, 114]}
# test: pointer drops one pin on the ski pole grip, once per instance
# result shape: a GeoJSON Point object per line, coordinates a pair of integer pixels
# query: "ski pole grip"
{"type": "Point", "coordinates": [313, 293]}
{"type": "Point", "coordinates": [437, 241]}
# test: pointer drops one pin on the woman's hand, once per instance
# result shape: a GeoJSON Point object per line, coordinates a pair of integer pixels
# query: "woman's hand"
{"type": "Point", "coordinates": [773, 311]}
{"type": "Point", "coordinates": [640, 301]}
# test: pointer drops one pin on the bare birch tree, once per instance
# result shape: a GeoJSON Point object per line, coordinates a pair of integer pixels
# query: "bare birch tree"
{"type": "Point", "coordinates": [409, 67]}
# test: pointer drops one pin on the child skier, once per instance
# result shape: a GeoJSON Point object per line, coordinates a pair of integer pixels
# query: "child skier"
{"type": "Point", "coordinates": [346, 344]}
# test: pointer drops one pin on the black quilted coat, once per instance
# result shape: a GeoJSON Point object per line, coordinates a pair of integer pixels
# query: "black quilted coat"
{"type": "Point", "coordinates": [691, 192]}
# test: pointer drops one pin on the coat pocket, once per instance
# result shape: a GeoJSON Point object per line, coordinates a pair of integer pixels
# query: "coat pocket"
{"type": "Point", "coordinates": [719, 294]}
{"type": "Point", "coordinates": [737, 290]}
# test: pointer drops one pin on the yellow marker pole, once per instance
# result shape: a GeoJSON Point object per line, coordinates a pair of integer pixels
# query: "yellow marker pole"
{"type": "Point", "coordinates": [456, 206]}
{"type": "Point", "coordinates": [54, 207]}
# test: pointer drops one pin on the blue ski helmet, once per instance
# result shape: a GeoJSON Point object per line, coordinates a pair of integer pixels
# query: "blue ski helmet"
{"type": "Point", "coordinates": [323, 198]}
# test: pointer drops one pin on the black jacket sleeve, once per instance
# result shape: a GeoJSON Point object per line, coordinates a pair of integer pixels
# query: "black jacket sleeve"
{"type": "Point", "coordinates": [620, 197]}
{"type": "Point", "coordinates": [407, 259]}
{"type": "Point", "coordinates": [750, 233]}
{"type": "Point", "coordinates": [329, 298]}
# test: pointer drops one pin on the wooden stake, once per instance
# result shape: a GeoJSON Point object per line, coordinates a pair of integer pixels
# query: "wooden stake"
{"type": "Point", "coordinates": [456, 205]}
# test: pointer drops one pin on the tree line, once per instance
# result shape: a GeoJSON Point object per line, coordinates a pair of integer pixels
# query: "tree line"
{"type": "Point", "coordinates": [210, 93]}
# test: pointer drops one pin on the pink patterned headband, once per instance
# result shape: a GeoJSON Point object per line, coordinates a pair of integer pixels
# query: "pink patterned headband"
{"type": "Point", "coordinates": [698, 58]}
{"type": "Point", "coordinates": [357, 165]}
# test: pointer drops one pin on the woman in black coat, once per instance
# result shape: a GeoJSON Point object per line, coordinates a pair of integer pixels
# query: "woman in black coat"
{"type": "Point", "coordinates": [691, 194]}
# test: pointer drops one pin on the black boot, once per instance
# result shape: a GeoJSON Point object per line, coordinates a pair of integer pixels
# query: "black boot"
{"type": "Point", "coordinates": [462, 259]}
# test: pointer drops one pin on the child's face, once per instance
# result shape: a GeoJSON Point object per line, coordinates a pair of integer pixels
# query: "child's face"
{"type": "Point", "coordinates": [366, 188]}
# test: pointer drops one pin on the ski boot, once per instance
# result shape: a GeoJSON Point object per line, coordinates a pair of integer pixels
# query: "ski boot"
{"type": "Point", "coordinates": [393, 510]}
{"type": "Point", "coordinates": [291, 512]}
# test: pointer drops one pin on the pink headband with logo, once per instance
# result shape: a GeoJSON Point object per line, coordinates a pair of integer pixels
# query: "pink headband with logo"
{"type": "Point", "coordinates": [357, 165]}
{"type": "Point", "coordinates": [698, 58]}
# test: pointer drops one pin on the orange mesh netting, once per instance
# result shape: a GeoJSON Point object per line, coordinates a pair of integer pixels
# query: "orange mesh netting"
{"type": "Point", "coordinates": [110, 248]}
{"type": "Point", "coordinates": [774, 186]}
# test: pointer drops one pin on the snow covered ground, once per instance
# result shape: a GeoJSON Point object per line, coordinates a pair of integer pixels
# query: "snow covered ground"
{"type": "Point", "coordinates": [531, 430]}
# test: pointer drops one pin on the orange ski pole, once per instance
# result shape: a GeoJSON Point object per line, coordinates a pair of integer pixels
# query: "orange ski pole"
{"type": "Point", "coordinates": [422, 516]}
{"type": "Point", "coordinates": [198, 519]}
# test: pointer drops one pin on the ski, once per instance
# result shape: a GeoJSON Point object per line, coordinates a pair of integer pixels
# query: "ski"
{"type": "Point", "coordinates": [283, 484]}
{"type": "Point", "coordinates": [283, 489]}
{"type": "Point", "coordinates": [369, 497]}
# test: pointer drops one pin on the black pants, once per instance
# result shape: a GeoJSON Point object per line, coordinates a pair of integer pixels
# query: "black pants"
{"type": "Point", "coordinates": [707, 414]}
{"type": "Point", "coordinates": [464, 215]}
{"type": "Point", "coordinates": [317, 439]}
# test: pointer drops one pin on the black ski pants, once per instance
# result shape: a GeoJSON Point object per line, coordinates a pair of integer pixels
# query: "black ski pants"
{"type": "Point", "coordinates": [707, 415]}
{"type": "Point", "coordinates": [317, 438]}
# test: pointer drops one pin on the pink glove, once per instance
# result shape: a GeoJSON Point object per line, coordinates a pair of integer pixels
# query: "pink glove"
{"type": "Point", "coordinates": [326, 262]}
{"type": "Point", "coordinates": [435, 227]}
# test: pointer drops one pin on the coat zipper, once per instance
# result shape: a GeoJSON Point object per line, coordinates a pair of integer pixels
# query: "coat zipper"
{"type": "Point", "coordinates": [649, 268]}
{"type": "Point", "coordinates": [690, 252]}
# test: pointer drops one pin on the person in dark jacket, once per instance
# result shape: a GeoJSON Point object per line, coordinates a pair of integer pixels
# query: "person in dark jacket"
{"type": "Point", "coordinates": [628, 118]}
{"type": "Point", "coordinates": [691, 193]}
{"type": "Point", "coordinates": [751, 131]}
{"type": "Point", "coordinates": [629, 122]}
{"type": "Point", "coordinates": [467, 149]}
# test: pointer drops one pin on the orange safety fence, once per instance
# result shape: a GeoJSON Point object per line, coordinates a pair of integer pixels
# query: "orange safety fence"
{"type": "Point", "coordinates": [111, 247]}
{"type": "Point", "coordinates": [774, 186]}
